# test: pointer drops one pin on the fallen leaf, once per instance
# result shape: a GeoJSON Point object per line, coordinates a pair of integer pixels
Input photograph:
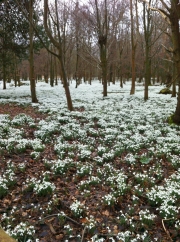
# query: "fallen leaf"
{"type": "Point", "coordinates": [60, 236]}
{"type": "Point", "coordinates": [24, 214]}
{"type": "Point", "coordinates": [84, 220]}
{"type": "Point", "coordinates": [115, 229]}
{"type": "Point", "coordinates": [106, 213]}
{"type": "Point", "coordinates": [98, 220]}
{"type": "Point", "coordinates": [51, 228]}
{"type": "Point", "coordinates": [6, 201]}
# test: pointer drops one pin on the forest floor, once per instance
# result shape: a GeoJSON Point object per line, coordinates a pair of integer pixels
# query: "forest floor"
{"type": "Point", "coordinates": [96, 174]}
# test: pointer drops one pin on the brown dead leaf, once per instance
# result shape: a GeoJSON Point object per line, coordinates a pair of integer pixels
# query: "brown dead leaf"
{"type": "Point", "coordinates": [17, 199]}
{"type": "Point", "coordinates": [51, 228]}
{"type": "Point", "coordinates": [98, 220]}
{"type": "Point", "coordinates": [77, 192]}
{"type": "Point", "coordinates": [24, 214]}
{"type": "Point", "coordinates": [7, 201]}
{"type": "Point", "coordinates": [60, 236]}
{"type": "Point", "coordinates": [106, 213]}
{"type": "Point", "coordinates": [115, 229]}
{"type": "Point", "coordinates": [84, 220]}
{"type": "Point", "coordinates": [136, 218]}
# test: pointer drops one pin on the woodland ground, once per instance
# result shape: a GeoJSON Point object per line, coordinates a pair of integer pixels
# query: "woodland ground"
{"type": "Point", "coordinates": [108, 171]}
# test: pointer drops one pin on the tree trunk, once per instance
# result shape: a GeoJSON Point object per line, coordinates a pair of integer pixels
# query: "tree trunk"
{"type": "Point", "coordinates": [51, 71]}
{"type": "Point", "coordinates": [4, 72]}
{"type": "Point", "coordinates": [147, 74]}
{"type": "Point", "coordinates": [174, 81]}
{"type": "Point", "coordinates": [121, 81]}
{"type": "Point", "coordinates": [176, 51]}
{"type": "Point", "coordinates": [133, 47]}
{"type": "Point", "coordinates": [104, 68]}
{"type": "Point", "coordinates": [66, 85]}
{"type": "Point", "coordinates": [31, 56]}
{"type": "Point", "coordinates": [147, 35]}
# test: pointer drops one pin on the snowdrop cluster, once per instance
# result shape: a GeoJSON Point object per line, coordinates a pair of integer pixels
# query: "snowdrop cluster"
{"type": "Point", "coordinates": [3, 186]}
{"type": "Point", "coordinates": [109, 134]}
{"type": "Point", "coordinates": [22, 231]}
{"type": "Point", "coordinates": [109, 199]}
{"type": "Point", "coordinates": [83, 170]}
{"type": "Point", "coordinates": [91, 181]}
{"type": "Point", "coordinates": [61, 166]}
{"type": "Point", "coordinates": [166, 196]}
{"type": "Point", "coordinates": [146, 217]}
{"type": "Point", "coordinates": [44, 188]}
{"type": "Point", "coordinates": [77, 208]}
{"type": "Point", "coordinates": [22, 119]}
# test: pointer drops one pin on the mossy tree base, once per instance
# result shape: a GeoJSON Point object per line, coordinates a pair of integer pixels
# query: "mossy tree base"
{"type": "Point", "coordinates": [165, 91]}
{"type": "Point", "coordinates": [176, 119]}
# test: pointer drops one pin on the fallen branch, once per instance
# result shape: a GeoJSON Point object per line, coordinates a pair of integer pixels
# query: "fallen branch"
{"type": "Point", "coordinates": [166, 231]}
{"type": "Point", "coordinates": [67, 217]}
{"type": "Point", "coordinates": [83, 233]}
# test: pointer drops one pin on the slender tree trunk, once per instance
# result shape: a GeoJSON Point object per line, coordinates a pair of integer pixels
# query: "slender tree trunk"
{"type": "Point", "coordinates": [51, 71]}
{"type": "Point", "coordinates": [121, 81]}
{"type": "Point", "coordinates": [147, 34]}
{"type": "Point", "coordinates": [66, 85]}
{"type": "Point", "coordinates": [104, 68]}
{"type": "Point", "coordinates": [133, 47]}
{"type": "Point", "coordinates": [4, 75]}
{"type": "Point", "coordinates": [55, 71]}
{"type": "Point", "coordinates": [147, 73]}
{"type": "Point", "coordinates": [31, 55]}
{"type": "Point", "coordinates": [77, 61]}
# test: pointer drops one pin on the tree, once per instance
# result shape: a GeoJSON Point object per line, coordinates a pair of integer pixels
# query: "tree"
{"type": "Point", "coordinates": [31, 54]}
{"type": "Point", "coordinates": [57, 43]}
{"type": "Point", "coordinates": [55, 39]}
{"type": "Point", "coordinates": [102, 31]}
{"type": "Point", "coordinates": [148, 28]}
{"type": "Point", "coordinates": [170, 11]}
{"type": "Point", "coordinates": [133, 43]}
{"type": "Point", "coordinates": [13, 37]}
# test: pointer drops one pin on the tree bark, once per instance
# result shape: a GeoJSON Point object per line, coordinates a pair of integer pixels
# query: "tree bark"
{"type": "Point", "coordinates": [31, 55]}
{"type": "Point", "coordinates": [176, 52]}
{"type": "Point", "coordinates": [133, 54]}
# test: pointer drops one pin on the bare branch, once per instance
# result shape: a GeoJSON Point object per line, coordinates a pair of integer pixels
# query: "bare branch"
{"type": "Point", "coordinates": [170, 50]}
{"type": "Point", "coordinates": [35, 29]}
{"type": "Point", "coordinates": [163, 13]}
{"type": "Point", "coordinates": [165, 5]}
{"type": "Point", "coordinates": [55, 43]}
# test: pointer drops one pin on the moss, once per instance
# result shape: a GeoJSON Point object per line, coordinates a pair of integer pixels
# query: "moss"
{"type": "Point", "coordinates": [165, 91]}
{"type": "Point", "coordinates": [170, 119]}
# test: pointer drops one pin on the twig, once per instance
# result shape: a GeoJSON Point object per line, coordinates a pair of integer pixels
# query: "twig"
{"type": "Point", "coordinates": [167, 232]}
{"type": "Point", "coordinates": [83, 233]}
{"type": "Point", "coordinates": [72, 220]}
{"type": "Point", "coordinates": [106, 235]}
{"type": "Point", "coordinates": [67, 217]}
